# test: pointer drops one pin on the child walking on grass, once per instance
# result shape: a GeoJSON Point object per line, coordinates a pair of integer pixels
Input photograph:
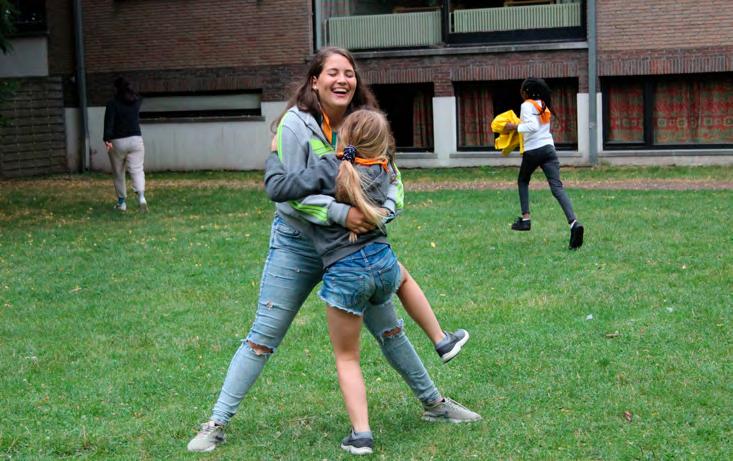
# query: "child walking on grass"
{"type": "Point", "coordinates": [539, 151]}
{"type": "Point", "coordinates": [362, 271]}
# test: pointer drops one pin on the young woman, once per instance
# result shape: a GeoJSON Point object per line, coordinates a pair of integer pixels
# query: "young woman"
{"type": "Point", "coordinates": [330, 90]}
{"type": "Point", "coordinates": [124, 142]}
{"type": "Point", "coordinates": [362, 272]}
{"type": "Point", "coordinates": [539, 151]}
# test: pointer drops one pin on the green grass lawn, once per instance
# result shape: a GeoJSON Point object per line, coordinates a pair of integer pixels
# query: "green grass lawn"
{"type": "Point", "coordinates": [116, 329]}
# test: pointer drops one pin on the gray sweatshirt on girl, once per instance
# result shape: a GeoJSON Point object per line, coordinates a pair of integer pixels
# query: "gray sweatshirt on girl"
{"type": "Point", "coordinates": [301, 177]}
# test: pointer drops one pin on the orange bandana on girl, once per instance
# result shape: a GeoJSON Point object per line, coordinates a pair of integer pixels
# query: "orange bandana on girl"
{"type": "Point", "coordinates": [349, 155]}
{"type": "Point", "coordinates": [544, 115]}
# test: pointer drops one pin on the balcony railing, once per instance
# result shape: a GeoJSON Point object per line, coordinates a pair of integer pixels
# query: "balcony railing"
{"type": "Point", "coordinates": [401, 30]}
{"type": "Point", "coordinates": [421, 29]}
{"type": "Point", "coordinates": [517, 18]}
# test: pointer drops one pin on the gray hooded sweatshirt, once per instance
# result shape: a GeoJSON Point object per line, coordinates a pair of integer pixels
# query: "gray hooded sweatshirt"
{"type": "Point", "coordinates": [300, 176]}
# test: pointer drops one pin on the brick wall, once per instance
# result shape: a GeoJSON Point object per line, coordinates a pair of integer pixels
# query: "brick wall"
{"type": "Point", "coordinates": [664, 37]}
{"type": "Point", "coordinates": [34, 142]}
{"type": "Point", "coordinates": [60, 22]}
{"type": "Point", "coordinates": [274, 81]}
{"type": "Point", "coordinates": [444, 70]}
{"type": "Point", "coordinates": [664, 24]}
{"type": "Point", "coordinates": [122, 35]}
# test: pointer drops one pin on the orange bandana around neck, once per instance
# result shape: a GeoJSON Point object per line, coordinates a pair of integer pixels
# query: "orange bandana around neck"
{"type": "Point", "coordinates": [326, 127]}
{"type": "Point", "coordinates": [544, 116]}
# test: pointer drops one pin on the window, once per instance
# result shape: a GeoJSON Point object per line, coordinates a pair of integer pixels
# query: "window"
{"type": "Point", "coordinates": [479, 102]}
{"type": "Point", "coordinates": [30, 15]}
{"type": "Point", "coordinates": [409, 109]}
{"type": "Point", "coordinates": [215, 104]}
{"type": "Point", "coordinates": [669, 111]}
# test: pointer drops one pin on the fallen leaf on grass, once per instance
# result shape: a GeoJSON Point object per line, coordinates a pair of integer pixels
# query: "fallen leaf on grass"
{"type": "Point", "coordinates": [615, 334]}
{"type": "Point", "coordinates": [589, 317]}
{"type": "Point", "coordinates": [628, 416]}
{"type": "Point", "coordinates": [432, 244]}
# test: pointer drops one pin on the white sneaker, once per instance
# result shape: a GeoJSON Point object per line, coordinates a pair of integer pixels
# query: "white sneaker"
{"type": "Point", "coordinates": [208, 437]}
{"type": "Point", "coordinates": [122, 206]}
{"type": "Point", "coordinates": [143, 205]}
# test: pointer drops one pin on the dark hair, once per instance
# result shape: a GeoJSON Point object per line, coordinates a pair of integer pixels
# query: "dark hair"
{"type": "Point", "coordinates": [124, 91]}
{"type": "Point", "coordinates": [536, 88]}
{"type": "Point", "coordinates": [307, 100]}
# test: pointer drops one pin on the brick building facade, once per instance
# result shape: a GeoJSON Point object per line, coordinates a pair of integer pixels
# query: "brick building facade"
{"type": "Point", "coordinates": [215, 75]}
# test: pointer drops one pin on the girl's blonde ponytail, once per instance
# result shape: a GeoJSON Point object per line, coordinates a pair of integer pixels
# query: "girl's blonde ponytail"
{"type": "Point", "coordinates": [365, 133]}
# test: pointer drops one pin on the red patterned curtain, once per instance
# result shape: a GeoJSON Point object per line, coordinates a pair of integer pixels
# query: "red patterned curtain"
{"type": "Point", "coordinates": [476, 110]}
{"type": "Point", "coordinates": [422, 120]}
{"type": "Point", "coordinates": [693, 111]}
{"type": "Point", "coordinates": [565, 106]}
{"type": "Point", "coordinates": [625, 112]}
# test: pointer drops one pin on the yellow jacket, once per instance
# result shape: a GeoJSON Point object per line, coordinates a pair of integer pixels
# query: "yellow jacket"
{"type": "Point", "coordinates": [508, 142]}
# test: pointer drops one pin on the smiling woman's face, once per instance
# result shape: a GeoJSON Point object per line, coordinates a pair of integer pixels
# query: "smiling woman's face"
{"type": "Point", "coordinates": [335, 84]}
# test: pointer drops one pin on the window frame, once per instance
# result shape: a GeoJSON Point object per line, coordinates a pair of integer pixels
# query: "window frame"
{"type": "Point", "coordinates": [513, 36]}
{"type": "Point", "coordinates": [564, 146]}
{"type": "Point", "coordinates": [147, 116]}
{"type": "Point", "coordinates": [648, 83]}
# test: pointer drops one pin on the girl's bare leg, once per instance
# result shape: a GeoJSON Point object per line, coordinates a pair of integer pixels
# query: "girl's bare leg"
{"type": "Point", "coordinates": [418, 307]}
{"type": "Point", "coordinates": [344, 328]}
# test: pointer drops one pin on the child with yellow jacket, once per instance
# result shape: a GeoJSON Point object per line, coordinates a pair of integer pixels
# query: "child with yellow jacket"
{"type": "Point", "coordinates": [539, 151]}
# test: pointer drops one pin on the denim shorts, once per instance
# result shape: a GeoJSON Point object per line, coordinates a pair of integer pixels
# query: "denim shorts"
{"type": "Point", "coordinates": [368, 277]}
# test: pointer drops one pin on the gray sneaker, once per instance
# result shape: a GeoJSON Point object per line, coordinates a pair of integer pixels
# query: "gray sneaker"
{"type": "Point", "coordinates": [451, 345]}
{"type": "Point", "coordinates": [208, 437]}
{"type": "Point", "coordinates": [358, 444]}
{"type": "Point", "coordinates": [449, 411]}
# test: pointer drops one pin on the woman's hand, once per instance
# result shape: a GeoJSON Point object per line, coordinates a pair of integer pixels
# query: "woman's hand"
{"type": "Point", "coordinates": [273, 144]}
{"type": "Point", "coordinates": [356, 221]}
{"type": "Point", "coordinates": [108, 145]}
{"type": "Point", "coordinates": [509, 127]}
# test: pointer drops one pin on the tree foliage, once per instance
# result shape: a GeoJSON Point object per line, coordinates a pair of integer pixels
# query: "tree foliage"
{"type": "Point", "coordinates": [7, 25]}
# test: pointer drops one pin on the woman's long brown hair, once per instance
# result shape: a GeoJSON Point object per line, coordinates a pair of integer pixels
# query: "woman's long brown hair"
{"type": "Point", "coordinates": [307, 99]}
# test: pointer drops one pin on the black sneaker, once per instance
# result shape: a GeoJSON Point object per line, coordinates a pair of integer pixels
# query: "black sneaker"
{"type": "Point", "coordinates": [522, 224]}
{"type": "Point", "coordinates": [361, 445]}
{"type": "Point", "coordinates": [576, 235]}
{"type": "Point", "coordinates": [451, 345]}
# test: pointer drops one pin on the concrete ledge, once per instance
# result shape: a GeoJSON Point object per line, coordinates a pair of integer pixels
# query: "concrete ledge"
{"type": "Point", "coordinates": [495, 154]}
{"type": "Point", "coordinates": [415, 155]}
{"type": "Point", "coordinates": [481, 49]}
{"type": "Point", "coordinates": [665, 153]}
{"type": "Point", "coordinates": [230, 118]}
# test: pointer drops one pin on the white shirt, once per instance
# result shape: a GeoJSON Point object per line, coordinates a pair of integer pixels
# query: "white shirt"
{"type": "Point", "coordinates": [536, 134]}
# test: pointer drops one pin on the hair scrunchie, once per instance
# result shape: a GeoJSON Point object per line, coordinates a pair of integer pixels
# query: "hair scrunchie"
{"type": "Point", "coordinates": [349, 154]}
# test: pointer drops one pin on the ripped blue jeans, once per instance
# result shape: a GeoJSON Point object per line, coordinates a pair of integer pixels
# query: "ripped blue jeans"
{"type": "Point", "coordinates": [292, 270]}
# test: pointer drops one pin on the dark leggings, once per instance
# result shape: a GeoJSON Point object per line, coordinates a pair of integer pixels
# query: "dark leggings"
{"type": "Point", "coordinates": [545, 158]}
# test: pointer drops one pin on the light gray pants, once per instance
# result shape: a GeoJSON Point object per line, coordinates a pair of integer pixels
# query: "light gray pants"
{"type": "Point", "coordinates": [128, 151]}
